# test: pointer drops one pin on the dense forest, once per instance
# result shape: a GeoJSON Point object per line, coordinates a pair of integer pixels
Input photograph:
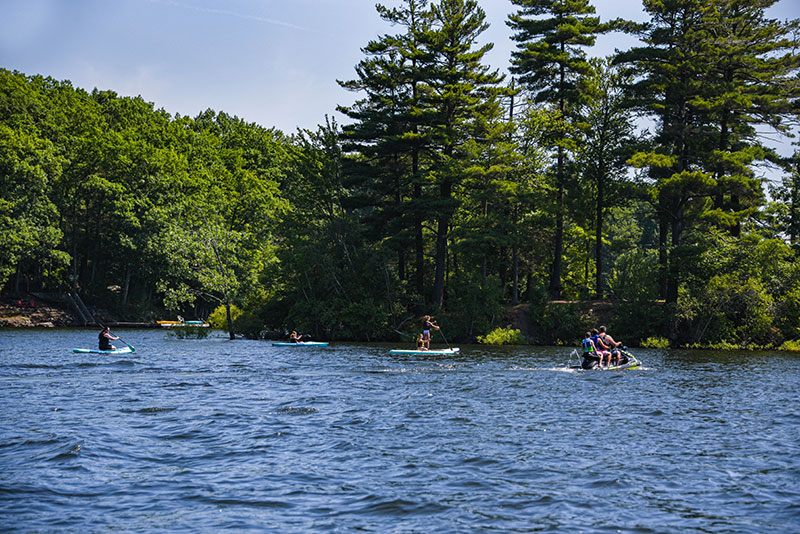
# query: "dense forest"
{"type": "Point", "coordinates": [449, 189]}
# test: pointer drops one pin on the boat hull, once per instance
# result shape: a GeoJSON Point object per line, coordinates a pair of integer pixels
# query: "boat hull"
{"type": "Point", "coordinates": [630, 363]}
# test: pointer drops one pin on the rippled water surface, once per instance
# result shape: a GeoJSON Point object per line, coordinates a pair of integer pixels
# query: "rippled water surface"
{"type": "Point", "coordinates": [213, 435]}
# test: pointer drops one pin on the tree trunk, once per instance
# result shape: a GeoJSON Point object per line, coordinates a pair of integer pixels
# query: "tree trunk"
{"type": "Point", "coordinates": [558, 241]}
{"type": "Point", "coordinates": [441, 249]}
{"type": "Point", "coordinates": [230, 319]}
{"type": "Point", "coordinates": [663, 260]}
{"type": "Point", "coordinates": [794, 220]}
{"type": "Point", "coordinates": [126, 285]}
{"type": "Point", "coordinates": [598, 238]}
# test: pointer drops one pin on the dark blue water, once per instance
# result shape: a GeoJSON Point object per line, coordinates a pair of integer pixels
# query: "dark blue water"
{"type": "Point", "coordinates": [214, 435]}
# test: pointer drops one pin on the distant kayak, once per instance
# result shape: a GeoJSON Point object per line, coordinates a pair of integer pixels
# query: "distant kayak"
{"type": "Point", "coordinates": [439, 352]}
{"type": "Point", "coordinates": [121, 350]}
{"type": "Point", "coordinates": [300, 344]}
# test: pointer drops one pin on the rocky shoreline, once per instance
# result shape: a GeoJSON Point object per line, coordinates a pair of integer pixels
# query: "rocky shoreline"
{"type": "Point", "coordinates": [34, 314]}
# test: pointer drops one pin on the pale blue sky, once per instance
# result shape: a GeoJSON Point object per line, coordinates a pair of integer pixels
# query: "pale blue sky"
{"type": "Point", "coordinates": [274, 62]}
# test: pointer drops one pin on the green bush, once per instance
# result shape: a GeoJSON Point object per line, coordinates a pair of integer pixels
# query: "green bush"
{"type": "Point", "coordinates": [655, 343]}
{"type": "Point", "coordinates": [503, 336]}
{"type": "Point", "coordinates": [219, 317]}
{"type": "Point", "coordinates": [792, 345]}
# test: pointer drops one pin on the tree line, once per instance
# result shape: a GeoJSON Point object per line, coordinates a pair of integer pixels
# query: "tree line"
{"type": "Point", "coordinates": [451, 189]}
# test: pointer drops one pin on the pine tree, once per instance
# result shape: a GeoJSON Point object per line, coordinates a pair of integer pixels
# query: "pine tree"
{"type": "Point", "coordinates": [550, 61]}
{"type": "Point", "coordinates": [750, 81]}
{"type": "Point", "coordinates": [389, 131]}
{"type": "Point", "coordinates": [462, 91]}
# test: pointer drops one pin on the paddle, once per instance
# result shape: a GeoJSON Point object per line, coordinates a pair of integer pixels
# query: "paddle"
{"type": "Point", "coordinates": [445, 339]}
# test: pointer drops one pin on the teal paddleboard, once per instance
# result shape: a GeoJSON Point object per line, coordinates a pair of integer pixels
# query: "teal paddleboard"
{"type": "Point", "coordinates": [121, 350]}
{"type": "Point", "coordinates": [300, 344]}
{"type": "Point", "coordinates": [440, 352]}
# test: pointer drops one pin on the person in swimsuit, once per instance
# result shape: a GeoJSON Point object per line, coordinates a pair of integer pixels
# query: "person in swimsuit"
{"type": "Point", "coordinates": [105, 338]}
{"type": "Point", "coordinates": [294, 338]}
{"type": "Point", "coordinates": [612, 345]}
{"type": "Point", "coordinates": [421, 343]}
{"type": "Point", "coordinates": [601, 348]}
{"type": "Point", "coordinates": [427, 326]}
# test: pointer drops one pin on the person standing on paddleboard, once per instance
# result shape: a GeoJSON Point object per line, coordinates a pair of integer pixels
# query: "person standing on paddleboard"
{"type": "Point", "coordinates": [105, 336]}
{"type": "Point", "coordinates": [427, 326]}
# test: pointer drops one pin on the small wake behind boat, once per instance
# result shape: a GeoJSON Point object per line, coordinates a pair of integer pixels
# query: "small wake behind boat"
{"type": "Point", "coordinates": [122, 350]}
{"type": "Point", "coordinates": [589, 363]}
{"type": "Point", "coordinates": [434, 352]}
{"type": "Point", "coordinates": [300, 344]}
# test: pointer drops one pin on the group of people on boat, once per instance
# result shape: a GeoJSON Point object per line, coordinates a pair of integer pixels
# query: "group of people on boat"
{"type": "Point", "coordinates": [599, 346]}
{"type": "Point", "coordinates": [424, 338]}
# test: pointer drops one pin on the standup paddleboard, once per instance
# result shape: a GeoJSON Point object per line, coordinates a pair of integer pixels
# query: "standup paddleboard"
{"type": "Point", "coordinates": [121, 350]}
{"type": "Point", "coordinates": [425, 352]}
{"type": "Point", "coordinates": [300, 344]}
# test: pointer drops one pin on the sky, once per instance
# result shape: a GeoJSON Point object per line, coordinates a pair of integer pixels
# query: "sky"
{"type": "Point", "coordinates": [272, 62]}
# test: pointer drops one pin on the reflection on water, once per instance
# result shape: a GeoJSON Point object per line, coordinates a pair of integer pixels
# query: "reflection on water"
{"type": "Point", "coordinates": [211, 435]}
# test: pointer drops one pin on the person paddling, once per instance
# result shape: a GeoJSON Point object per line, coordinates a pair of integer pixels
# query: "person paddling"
{"type": "Point", "coordinates": [427, 326]}
{"type": "Point", "coordinates": [105, 338]}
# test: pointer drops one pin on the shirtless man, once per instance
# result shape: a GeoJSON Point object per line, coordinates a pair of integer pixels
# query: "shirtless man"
{"type": "Point", "coordinates": [609, 342]}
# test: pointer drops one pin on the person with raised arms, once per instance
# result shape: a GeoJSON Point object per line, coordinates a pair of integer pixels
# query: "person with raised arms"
{"type": "Point", "coordinates": [427, 326]}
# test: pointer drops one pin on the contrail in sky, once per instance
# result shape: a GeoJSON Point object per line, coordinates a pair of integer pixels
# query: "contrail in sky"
{"type": "Point", "coordinates": [230, 14]}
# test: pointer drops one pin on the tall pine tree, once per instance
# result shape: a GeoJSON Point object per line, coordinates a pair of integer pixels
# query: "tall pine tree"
{"type": "Point", "coordinates": [550, 60]}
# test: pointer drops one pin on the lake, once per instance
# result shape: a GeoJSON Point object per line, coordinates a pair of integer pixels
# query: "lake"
{"type": "Point", "coordinates": [216, 435]}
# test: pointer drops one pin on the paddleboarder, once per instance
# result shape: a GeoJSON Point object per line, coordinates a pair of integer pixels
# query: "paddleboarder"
{"type": "Point", "coordinates": [105, 336]}
{"type": "Point", "coordinates": [427, 326]}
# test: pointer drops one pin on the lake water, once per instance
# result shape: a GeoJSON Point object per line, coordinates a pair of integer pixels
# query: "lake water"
{"type": "Point", "coordinates": [213, 435]}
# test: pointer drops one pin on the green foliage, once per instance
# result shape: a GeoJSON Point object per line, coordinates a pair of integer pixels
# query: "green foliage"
{"type": "Point", "coordinates": [219, 317]}
{"type": "Point", "coordinates": [503, 336]}
{"type": "Point", "coordinates": [655, 343]}
{"type": "Point", "coordinates": [637, 320]}
{"type": "Point", "coordinates": [559, 323]}
{"type": "Point", "coordinates": [791, 345]}
{"type": "Point", "coordinates": [472, 306]}
{"type": "Point", "coordinates": [635, 275]}
{"type": "Point", "coordinates": [729, 309]}
{"type": "Point", "coordinates": [189, 332]}
{"type": "Point", "coordinates": [439, 194]}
